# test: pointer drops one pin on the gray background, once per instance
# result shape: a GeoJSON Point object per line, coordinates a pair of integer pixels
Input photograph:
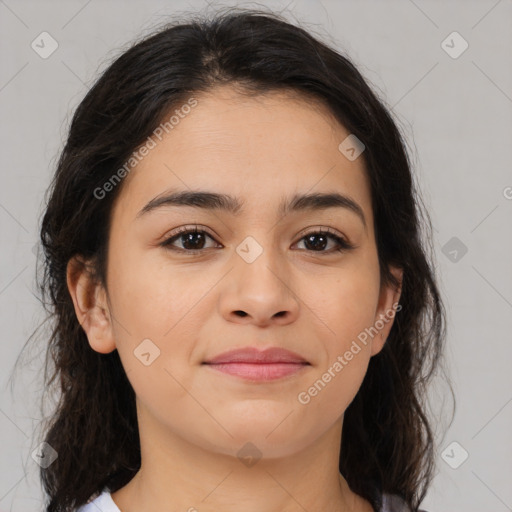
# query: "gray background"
{"type": "Point", "coordinates": [456, 114]}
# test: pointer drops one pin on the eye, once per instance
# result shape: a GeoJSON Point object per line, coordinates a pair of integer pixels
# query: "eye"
{"type": "Point", "coordinates": [315, 241]}
{"type": "Point", "coordinates": [193, 240]}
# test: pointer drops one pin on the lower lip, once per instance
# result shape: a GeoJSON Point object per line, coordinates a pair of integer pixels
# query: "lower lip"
{"type": "Point", "coordinates": [259, 371]}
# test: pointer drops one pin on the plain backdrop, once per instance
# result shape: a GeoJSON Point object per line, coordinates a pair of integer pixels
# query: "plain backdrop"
{"type": "Point", "coordinates": [455, 108]}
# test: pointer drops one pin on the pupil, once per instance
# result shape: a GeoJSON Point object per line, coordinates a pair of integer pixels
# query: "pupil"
{"type": "Point", "coordinates": [189, 237]}
{"type": "Point", "coordinates": [316, 246]}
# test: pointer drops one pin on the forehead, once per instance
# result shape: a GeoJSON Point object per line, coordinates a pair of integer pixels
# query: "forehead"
{"type": "Point", "coordinates": [261, 147]}
{"type": "Point", "coordinates": [226, 118]}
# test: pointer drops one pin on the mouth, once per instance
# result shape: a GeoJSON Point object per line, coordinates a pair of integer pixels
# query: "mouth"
{"type": "Point", "coordinates": [253, 364]}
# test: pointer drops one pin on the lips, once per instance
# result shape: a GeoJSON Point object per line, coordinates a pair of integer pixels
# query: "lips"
{"type": "Point", "coordinates": [257, 365]}
{"type": "Point", "coordinates": [252, 355]}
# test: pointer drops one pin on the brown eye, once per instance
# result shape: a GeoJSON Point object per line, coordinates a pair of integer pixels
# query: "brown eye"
{"type": "Point", "coordinates": [192, 240]}
{"type": "Point", "coordinates": [317, 241]}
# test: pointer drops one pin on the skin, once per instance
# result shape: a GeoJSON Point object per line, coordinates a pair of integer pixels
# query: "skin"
{"type": "Point", "coordinates": [193, 420]}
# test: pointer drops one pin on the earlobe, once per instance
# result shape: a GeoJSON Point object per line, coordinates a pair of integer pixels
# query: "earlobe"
{"type": "Point", "coordinates": [91, 307]}
{"type": "Point", "coordinates": [387, 309]}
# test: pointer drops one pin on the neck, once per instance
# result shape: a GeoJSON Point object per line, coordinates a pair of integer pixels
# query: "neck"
{"type": "Point", "coordinates": [178, 475]}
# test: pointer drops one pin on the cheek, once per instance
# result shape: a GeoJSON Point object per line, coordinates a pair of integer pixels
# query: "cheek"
{"type": "Point", "coordinates": [346, 303]}
{"type": "Point", "coordinates": [346, 306]}
{"type": "Point", "coordinates": [344, 361]}
{"type": "Point", "coordinates": [150, 298]}
{"type": "Point", "coordinates": [156, 313]}
{"type": "Point", "coordinates": [353, 313]}
{"type": "Point", "coordinates": [160, 313]}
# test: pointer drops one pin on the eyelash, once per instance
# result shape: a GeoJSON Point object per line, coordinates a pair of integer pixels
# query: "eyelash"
{"type": "Point", "coordinates": [343, 244]}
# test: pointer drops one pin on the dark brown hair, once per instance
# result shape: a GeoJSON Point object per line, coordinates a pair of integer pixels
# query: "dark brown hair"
{"type": "Point", "coordinates": [388, 440]}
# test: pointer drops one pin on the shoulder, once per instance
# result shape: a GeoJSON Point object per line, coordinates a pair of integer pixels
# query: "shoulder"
{"type": "Point", "coordinates": [103, 502]}
{"type": "Point", "coordinates": [394, 503]}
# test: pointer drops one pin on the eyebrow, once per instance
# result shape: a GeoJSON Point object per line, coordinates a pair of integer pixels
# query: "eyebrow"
{"type": "Point", "coordinates": [216, 201]}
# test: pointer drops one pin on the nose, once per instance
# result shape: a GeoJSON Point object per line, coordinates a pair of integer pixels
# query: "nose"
{"type": "Point", "coordinates": [260, 293]}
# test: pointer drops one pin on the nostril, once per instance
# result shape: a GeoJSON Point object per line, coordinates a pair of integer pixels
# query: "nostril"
{"type": "Point", "coordinates": [241, 313]}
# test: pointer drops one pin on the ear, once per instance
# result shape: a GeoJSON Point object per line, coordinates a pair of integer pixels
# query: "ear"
{"type": "Point", "coordinates": [386, 310]}
{"type": "Point", "coordinates": [91, 305]}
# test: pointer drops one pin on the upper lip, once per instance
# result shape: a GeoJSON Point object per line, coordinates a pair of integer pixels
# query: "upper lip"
{"type": "Point", "coordinates": [255, 355]}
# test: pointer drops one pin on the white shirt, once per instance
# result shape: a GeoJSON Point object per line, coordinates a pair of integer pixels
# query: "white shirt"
{"type": "Point", "coordinates": [105, 503]}
{"type": "Point", "coordinates": [102, 503]}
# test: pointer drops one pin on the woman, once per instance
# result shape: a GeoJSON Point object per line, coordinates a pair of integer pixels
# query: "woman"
{"type": "Point", "coordinates": [246, 315]}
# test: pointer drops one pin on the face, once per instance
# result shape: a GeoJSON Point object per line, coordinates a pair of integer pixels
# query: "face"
{"type": "Point", "coordinates": [254, 275]}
